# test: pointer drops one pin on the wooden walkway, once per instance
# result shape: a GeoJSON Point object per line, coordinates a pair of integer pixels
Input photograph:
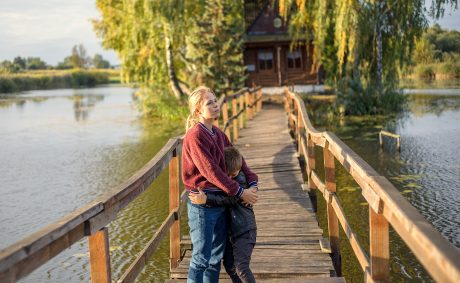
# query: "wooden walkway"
{"type": "Point", "coordinates": [288, 236]}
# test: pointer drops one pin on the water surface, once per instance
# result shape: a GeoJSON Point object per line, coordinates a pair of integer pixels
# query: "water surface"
{"type": "Point", "coordinates": [63, 148]}
{"type": "Point", "coordinates": [426, 171]}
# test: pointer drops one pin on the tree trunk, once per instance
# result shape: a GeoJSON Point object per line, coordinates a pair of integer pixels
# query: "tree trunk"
{"type": "Point", "coordinates": [173, 81]}
{"type": "Point", "coordinates": [379, 43]}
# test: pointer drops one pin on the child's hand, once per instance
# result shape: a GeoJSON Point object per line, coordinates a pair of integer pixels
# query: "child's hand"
{"type": "Point", "coordinates": [199, 198]}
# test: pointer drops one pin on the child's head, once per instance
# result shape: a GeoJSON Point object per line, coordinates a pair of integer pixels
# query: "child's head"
{"type": "Point", "coordinates": [195, 103]}
{"type": "Point", "coordinates": [233, 161]}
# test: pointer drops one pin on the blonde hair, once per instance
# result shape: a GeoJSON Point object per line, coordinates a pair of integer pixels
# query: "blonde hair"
{"type": "Point", "coordinates": [233, 159]}
{"type": "Point", "coordinates": [194, 103]}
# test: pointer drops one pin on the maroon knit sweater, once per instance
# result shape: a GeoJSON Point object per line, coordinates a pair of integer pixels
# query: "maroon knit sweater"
{"type": "Point", "coordinates": [203, 164]}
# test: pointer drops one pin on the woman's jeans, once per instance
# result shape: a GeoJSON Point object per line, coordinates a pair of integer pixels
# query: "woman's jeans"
{"type": "Point", "coordinates": [208, 232]}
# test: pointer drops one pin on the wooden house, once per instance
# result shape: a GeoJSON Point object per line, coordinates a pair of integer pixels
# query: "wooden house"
{"type": "Point", "coordinates": [267, 53]}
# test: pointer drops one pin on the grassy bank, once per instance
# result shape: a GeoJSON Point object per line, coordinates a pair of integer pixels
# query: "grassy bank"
{"type": "Point", "coordinates": [440, 70]}
{"type": "Point", "coordinates": [49, 79]}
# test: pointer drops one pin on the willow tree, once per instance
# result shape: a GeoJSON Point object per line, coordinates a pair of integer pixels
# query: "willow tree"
{"type": "Point", "coordinates": [372, 39]}
{"type": "Point", "coordinates": [163, 42]}
{"type": "Point", "coordinates": [146, 35]}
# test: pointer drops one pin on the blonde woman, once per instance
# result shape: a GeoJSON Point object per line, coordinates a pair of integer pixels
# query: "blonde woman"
{"type": "Point", "coordinates": [203, 168]}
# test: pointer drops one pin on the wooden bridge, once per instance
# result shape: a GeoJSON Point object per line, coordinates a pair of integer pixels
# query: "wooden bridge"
{"type": "Point", "coordinates": [290, 245]}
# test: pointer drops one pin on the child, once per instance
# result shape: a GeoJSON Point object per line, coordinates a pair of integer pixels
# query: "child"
{"type": "Point", "coordinates": [243, 229]}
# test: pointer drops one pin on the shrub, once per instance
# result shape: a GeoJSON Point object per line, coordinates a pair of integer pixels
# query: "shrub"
{"type": "Point", "coordinates": [354, 99]}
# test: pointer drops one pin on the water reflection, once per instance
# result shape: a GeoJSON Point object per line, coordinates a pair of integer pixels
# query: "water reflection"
{"type": "Point", "coordinates": [425, 172]}
{"type": "Point", "coordinates": [83, 105]}
{"type": "Point", "coordinates": [52, 163]}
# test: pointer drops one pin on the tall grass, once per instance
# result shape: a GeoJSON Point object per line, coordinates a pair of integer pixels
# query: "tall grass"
{"type": "Point", "coordinates": [54, 79]}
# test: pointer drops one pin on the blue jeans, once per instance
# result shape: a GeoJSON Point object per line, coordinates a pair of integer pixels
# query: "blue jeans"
{"type": "Point", "coordinates": [208, 232]}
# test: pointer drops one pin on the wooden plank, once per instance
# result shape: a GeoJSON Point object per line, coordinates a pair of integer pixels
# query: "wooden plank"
{"type": "Point", "coordinates": [332, 221]}
{"type": "Point", "coordinates": [174, 232]}
{"type": "Point", "coordinates": [379, 247]}
{"type": "Point", "coordinates": [99, 257]}
{"type": "Point", "coordinates": [31, 252]}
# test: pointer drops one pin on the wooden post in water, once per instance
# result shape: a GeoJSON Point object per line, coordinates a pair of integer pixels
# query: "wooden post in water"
{"type": "Point", "coordinates": [379, 247]}
{"type": "Point", "coordinates": [99, 256]}
{"type": "Point", "coordinates": [225, 118]}
{"type": "Point", "coordinates": [235, 121]}
{"type": "Point", "coordinates": [174, 202]}
{"type": "Point", "coordinates": [332, 220]}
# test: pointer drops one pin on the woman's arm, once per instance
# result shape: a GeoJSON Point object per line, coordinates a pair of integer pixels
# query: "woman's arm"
{"type": "Point", "coordinates": [204, 161]}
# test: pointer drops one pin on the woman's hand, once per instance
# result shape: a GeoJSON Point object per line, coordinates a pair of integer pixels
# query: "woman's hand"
{"type": "Point", "coordinates": [199, 198]}
{"type": "Point", "coordinates": [249, 196]}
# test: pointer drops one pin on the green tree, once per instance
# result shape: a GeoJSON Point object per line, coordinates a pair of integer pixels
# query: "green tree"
{"type": "Point", "coordinates": [65, 64]}
{"type": "Point", "coordinates": [7, 67]}
{"type": "Point", "coordinates": [153, 38]}
{"type": "Point", "coordinates": [147, 36]}
{"type": "Point", "coordinates": [99, 62]}
{"type": "Point", "coordinates": [215, 46]}
{"type": "Point", "coordinates": [373, 39]}
{"type": "Point", "coordinates": [424, 51]}
{"type": "Point", "coordinates": [79, 57]}
{"type": "Point", "coordinates": [20, 62]}
{"type": "Point", "coordinates": [35, 63]}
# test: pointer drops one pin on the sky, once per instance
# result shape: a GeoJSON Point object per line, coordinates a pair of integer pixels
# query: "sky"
{"type": "Point", "coordinates": [50, 28]}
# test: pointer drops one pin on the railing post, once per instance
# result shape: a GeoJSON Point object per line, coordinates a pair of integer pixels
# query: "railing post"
{"type": "Point", "coordinates": [99, 256]}
{"type": "Point", "coordinates": [248, 110]}
{"type": "Point", "coordinates": [241, 121]}
{"type": "Point", "coordinates": [253, 103]}
{"type": "Point", "coordinates": [300, 127]}
{"type": "Point", "coordinates": [235, 121]}
{"type": "Point", "coordinates": [259, 103]}
{"type": "Point", "coordinates": [225, 117]}
{"type": "Point", "coordinates": [174, 231]}
{"type": "Point", "coordinates": [379, 247]}
{"type": "Point", "coordinates": [311, 166]}
{"type": "Point", "coordinates": [332, 220]}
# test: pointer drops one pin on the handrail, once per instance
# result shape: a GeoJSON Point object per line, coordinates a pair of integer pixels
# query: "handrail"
{"type": "Point", "coordinates": [386, 206]}
{"type": "Point", "coordinates": [91, 220]}
{"type": "Point", "coordinates": [250, 102]}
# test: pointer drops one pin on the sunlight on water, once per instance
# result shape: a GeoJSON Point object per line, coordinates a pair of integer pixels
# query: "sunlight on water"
{"type": "Point", "coordinates": [426, 172]}
{"type": "Point", "coordinates": [63, 148]}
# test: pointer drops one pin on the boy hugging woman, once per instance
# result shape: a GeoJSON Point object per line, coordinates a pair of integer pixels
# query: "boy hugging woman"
{"type": "Point", "coordinates": [242, 229]}
{"type": "Point", "coordinates": [222, 190]}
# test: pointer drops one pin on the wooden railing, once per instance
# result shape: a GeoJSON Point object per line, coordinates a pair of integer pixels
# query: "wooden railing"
{"type": "Point", "coordinates": [21, 258]}
{"type": "Point", "coordinates": [386, 206]}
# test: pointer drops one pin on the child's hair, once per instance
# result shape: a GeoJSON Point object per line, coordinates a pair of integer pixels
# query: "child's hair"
{"type": "Point", "coordinates": [233, 159]}
{"type": "Point", "coordinates": [194, 102]}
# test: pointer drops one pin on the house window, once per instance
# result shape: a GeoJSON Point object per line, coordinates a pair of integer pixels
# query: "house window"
{"type": "Point", "coordinates": [294, 60]}
{"type": "Point", "coordinates": [265, 60]}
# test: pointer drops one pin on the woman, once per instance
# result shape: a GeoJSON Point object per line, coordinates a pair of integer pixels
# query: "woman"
{"type": "Point", "coordinates": [203, 167]}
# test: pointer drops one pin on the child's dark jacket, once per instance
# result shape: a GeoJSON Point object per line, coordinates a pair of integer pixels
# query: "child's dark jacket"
{"type": "Point", "coordinates": [242, 218]}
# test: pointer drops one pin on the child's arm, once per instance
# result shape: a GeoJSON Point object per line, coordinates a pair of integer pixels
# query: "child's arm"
{"type": "Point", "coordinates": [212, 199]}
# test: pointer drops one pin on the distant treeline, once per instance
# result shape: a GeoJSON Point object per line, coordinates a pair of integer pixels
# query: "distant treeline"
{"type": "Point", "coordinates": [78, 59]}
{"type": "Point", "coordinates": [436, 55]}
{"type": "Point", "coordinates": [56, 79]}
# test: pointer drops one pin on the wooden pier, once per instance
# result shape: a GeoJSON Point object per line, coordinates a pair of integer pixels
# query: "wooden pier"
{"type": "Point", "coordinates": [290, 246]}
{"type": "Point", "coordinates": [288, 235]}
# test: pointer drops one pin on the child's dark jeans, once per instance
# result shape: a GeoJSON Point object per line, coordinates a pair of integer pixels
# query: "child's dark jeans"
{"type": "Point", "coordinates": [237, 257]}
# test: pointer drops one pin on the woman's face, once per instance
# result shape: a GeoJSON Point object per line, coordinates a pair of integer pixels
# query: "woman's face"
{"type": "Point", "coordinates": [209, 108]}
